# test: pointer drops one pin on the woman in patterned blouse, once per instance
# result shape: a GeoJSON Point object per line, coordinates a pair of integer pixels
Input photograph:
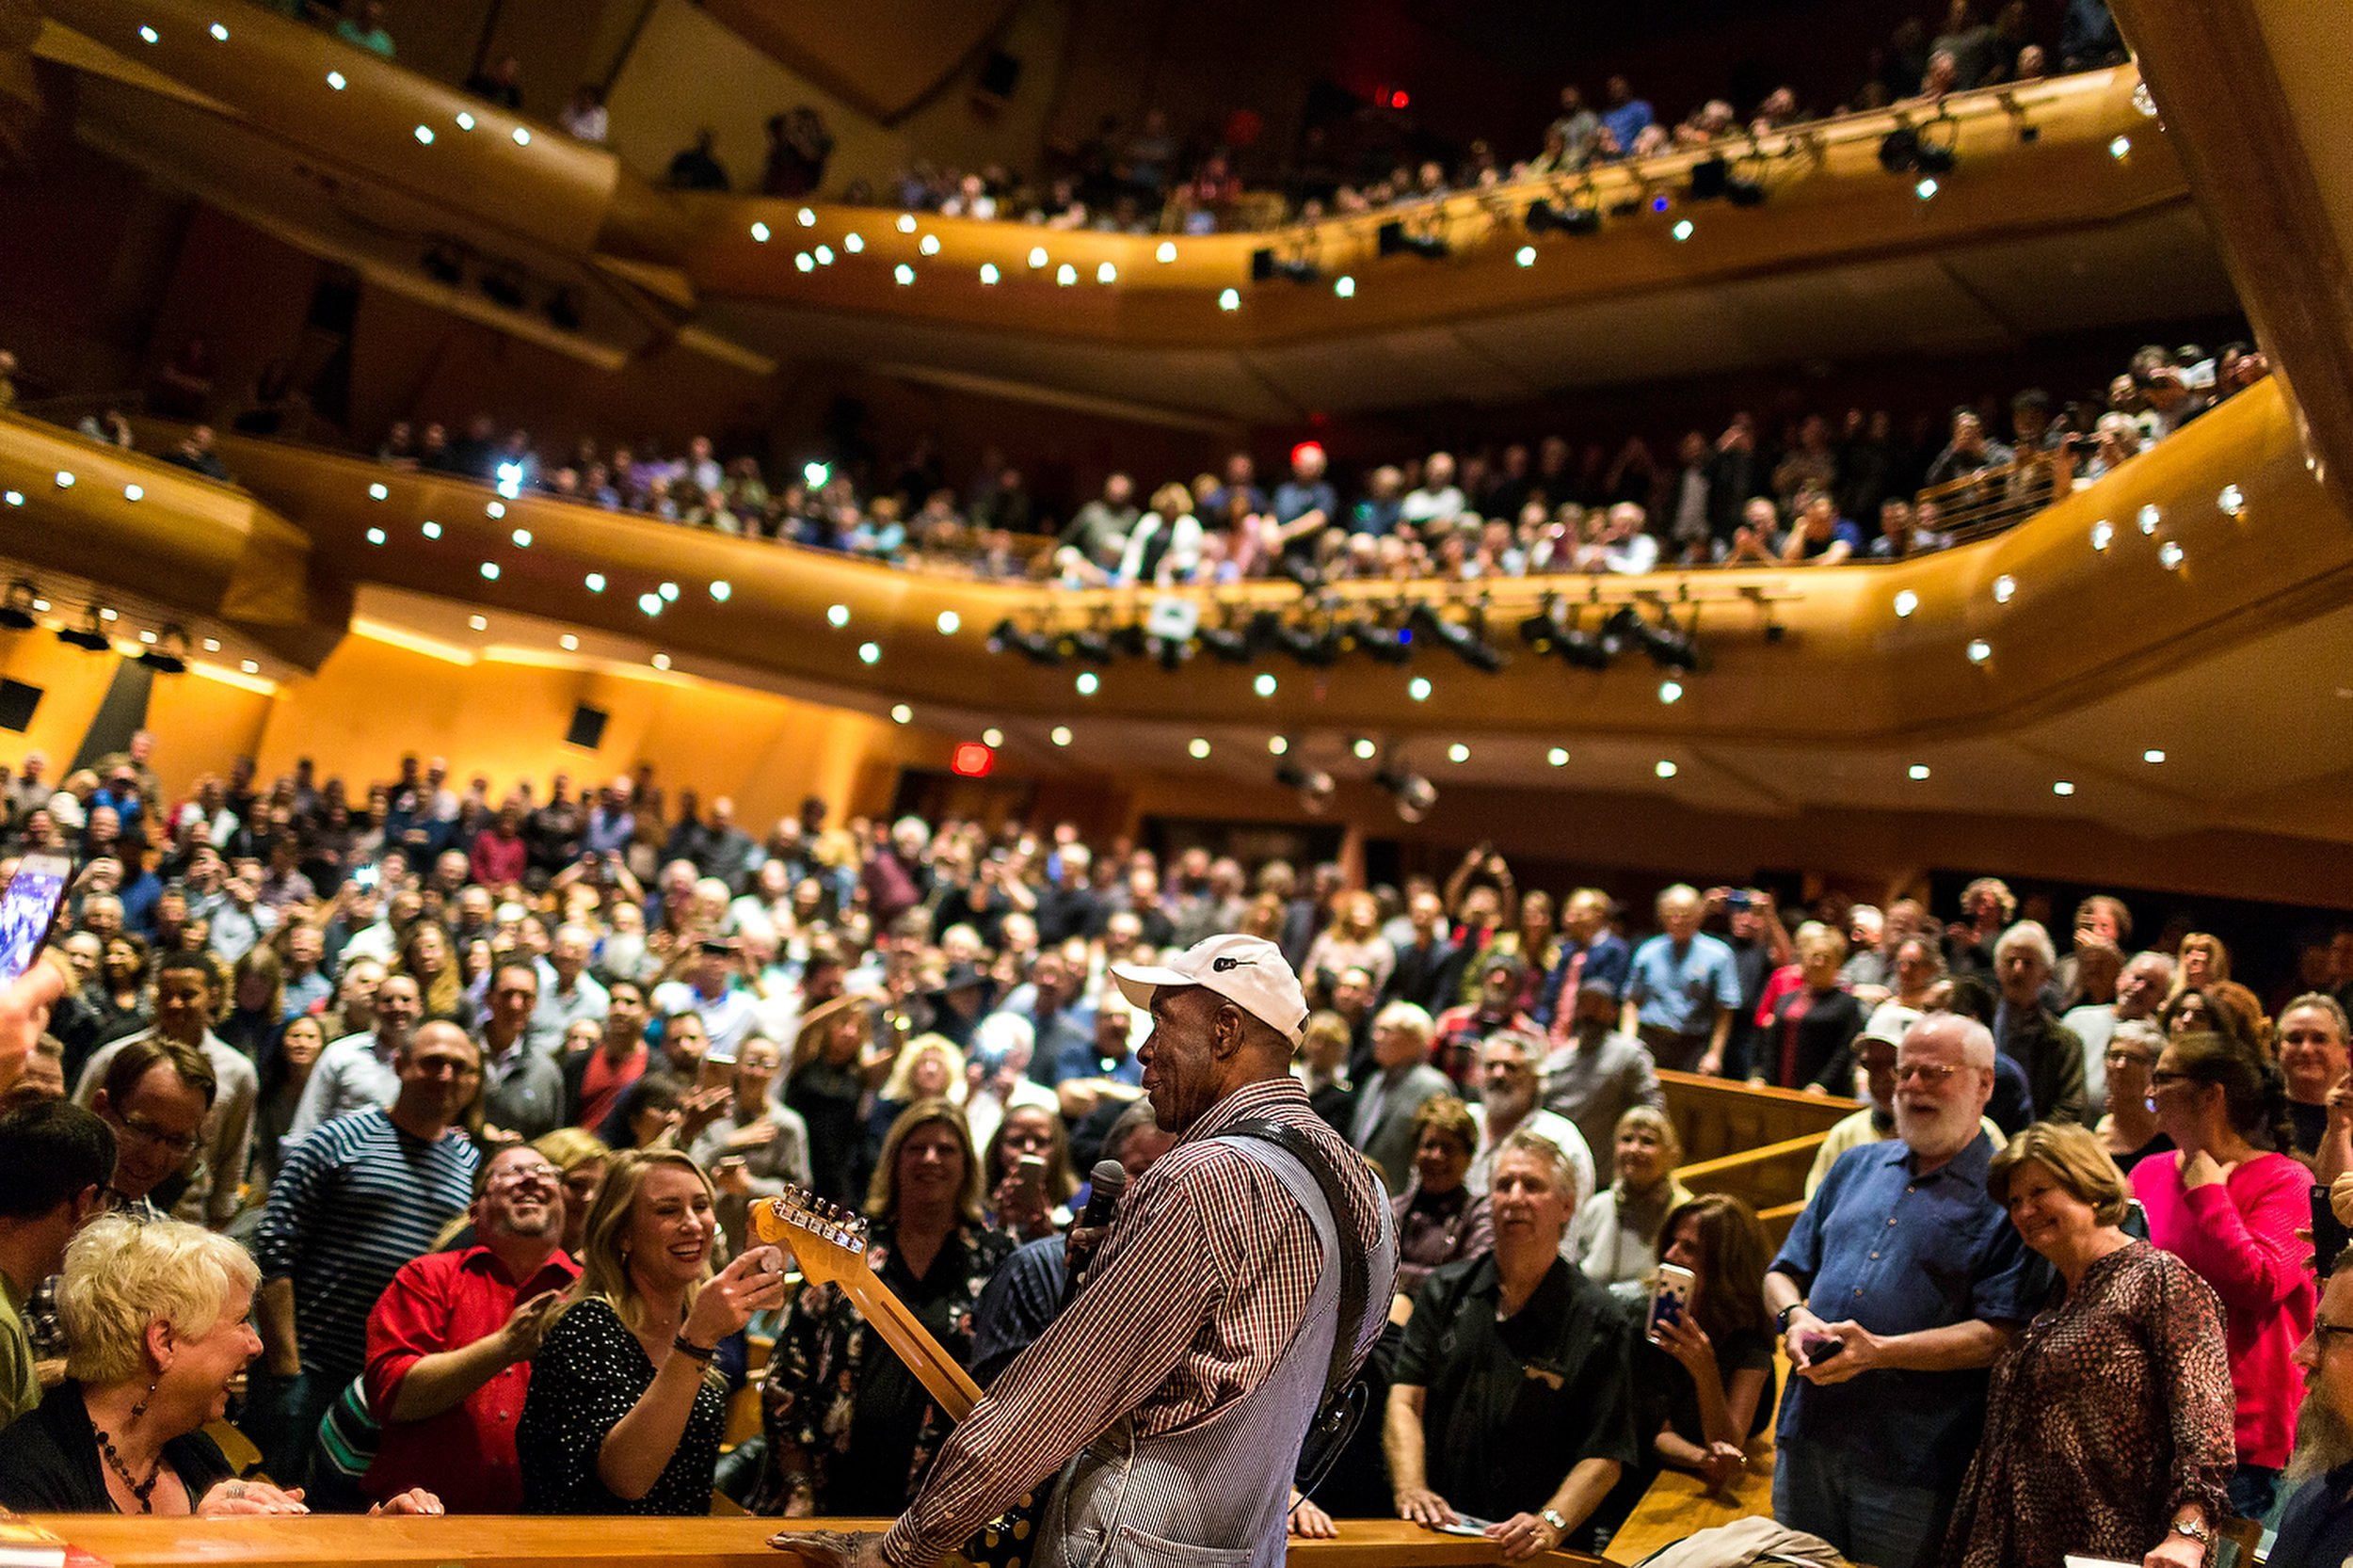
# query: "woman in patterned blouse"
{"type": "Point", "coordinates": [1439, 1221]}
{"type": "Point", "coordinates": [2109, 1429]}
{"type": "Point", "coordinates": [851, 1432]}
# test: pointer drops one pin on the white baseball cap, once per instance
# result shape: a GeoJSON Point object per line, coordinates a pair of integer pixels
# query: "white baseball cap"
{"type": "Point", "coordinates": [1889, 1021]}
{"type": "Point", "coordinates": [1249, 971]}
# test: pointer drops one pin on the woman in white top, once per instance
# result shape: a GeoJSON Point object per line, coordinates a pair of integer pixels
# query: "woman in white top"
{"type": "Point", "coordinates": [1617, 1230]}
{"type": "Point", "coordinates": [1166, 540]}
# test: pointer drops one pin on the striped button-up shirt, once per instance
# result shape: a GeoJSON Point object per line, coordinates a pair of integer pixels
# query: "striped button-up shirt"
{"type": "Point", "coordinates": [1198, 1289]}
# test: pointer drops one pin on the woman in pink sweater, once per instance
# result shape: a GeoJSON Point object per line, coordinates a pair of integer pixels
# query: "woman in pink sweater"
{"type": "Point", "coordinates": [2229, 1205]}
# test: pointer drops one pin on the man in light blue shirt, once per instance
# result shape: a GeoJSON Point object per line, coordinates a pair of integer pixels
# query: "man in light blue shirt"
{"type": "Point", "coordinates": [1682, 988]}
{"type": "Point", "coordinates": [1628, 116]}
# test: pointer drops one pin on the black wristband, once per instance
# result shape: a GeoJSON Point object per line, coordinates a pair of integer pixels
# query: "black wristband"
{"type": "Point", "coordinates": [687, 1347]}
{"type": "Point", "coordinates": [1781, 1318]}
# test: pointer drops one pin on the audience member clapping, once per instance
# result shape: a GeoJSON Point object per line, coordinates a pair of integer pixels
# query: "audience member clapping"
{"type": "Point", "coordinates": [625, 1412]}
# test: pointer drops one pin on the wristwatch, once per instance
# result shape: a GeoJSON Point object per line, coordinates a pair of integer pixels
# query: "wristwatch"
{"type": "Point", "coordinates": [2195, 1529]}
{"type": "Point", "coordinates": [1560, 1525]}
{"type": "Point", "coordinates": [1781, 1318]}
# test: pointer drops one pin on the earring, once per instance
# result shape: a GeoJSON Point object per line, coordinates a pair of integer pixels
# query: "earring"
{"type": "Point", "coordinates": [140, 1409]}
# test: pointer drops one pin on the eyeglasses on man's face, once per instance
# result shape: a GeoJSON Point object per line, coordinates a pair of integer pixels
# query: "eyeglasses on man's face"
{"type": "Point", "coordinates": [1935, 1075]}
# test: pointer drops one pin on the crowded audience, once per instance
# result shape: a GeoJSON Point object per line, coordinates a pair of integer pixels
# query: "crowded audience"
{"type": "Point", "coordinates": [415, 1129]}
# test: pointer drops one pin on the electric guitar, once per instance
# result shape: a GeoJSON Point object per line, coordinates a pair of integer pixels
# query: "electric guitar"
{"type": "Point", "coordinates": [829, 1243]}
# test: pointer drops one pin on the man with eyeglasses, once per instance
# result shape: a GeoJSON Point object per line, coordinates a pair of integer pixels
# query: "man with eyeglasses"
{"type": "Point", "coordinates": [451, 1340]}
{"type": "Point", "coordinates": [186, 1000]}
{"type": "Point", "coordinates": [1899, 1284]}
{"type": "Point", "coordinates": [354, 1201]}
{"type": "Point", "coordinates": [2317, 1526]}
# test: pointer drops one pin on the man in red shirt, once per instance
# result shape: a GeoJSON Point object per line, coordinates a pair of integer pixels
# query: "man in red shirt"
{"type": "Point", "coordinates": [500, 856]}
{"type": "Point", "coordinates": [594, 1081]}
{"type": "Point", "coordinates": [450, 1343]}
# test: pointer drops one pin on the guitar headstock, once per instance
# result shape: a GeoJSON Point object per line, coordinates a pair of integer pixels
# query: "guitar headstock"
{"type": "Point", "coordinates": [826, 1239]}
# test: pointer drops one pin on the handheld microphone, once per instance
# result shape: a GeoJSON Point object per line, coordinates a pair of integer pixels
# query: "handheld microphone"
{"type": "Point", "coordinates": [1108, 1180]}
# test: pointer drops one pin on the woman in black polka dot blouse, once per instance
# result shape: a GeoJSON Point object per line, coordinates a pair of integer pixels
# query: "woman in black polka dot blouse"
{"type": "Point", "coordinates": [625, 1413]}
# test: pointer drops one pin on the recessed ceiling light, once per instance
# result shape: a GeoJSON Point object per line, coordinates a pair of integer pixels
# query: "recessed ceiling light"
{"type": "Point", "coordinates": [2150, 518]}
{"type": "Point", "coordinates": [2169, 556]}
{"type": "Point", "coordinates": [2103, 534]}
{"type": "Point", "coordinates": [808, 219]}
{"type": "Point", "coordinates": [1167, 252]}
{"type": "Point", "coordinates": [335, 80]}
{"type": "Point", "coordinates": [1199, 747]}
{"type": "Point", "coordinates": [250, 666]}
{"type": "Point", "coordinates": [988, 272]}
{"type": "Point", "coordinates": [495, 509]}
{"type": "Point", "coordinates": [1364, 750]}
{"type": "Point", "coordinates": [491, 570]}
{"type": "Point", "coordinates": [824, 254]}
{"type": "Point", "coordinates": [1665, 769]}
{"type": "Point", "coordinates": [804, 262]}
{"type": "Point", "coordinates": [661, 661]}
{"type": "Point", "coordinates": [2152, 754]}
{"type": "Point", "coordinates": [107, 615]}
{"type": "Point", "coordinates": [837, 615]}
{"type": "Point", "coordinates": [992, 736]}
{"type": "Point", "coordinates": [1065, 274]}
{"type": "Point", "coordinates": [1458, 752]}
{"type": "Point", "coordinates": [596, 582]}
{"type": "Point", "coordinates": [722, 590]}
{"type": "Point", "coordinates": [929, 245]}
{"type": "Point", "coordinates": [1418, 688]}
{"type": "Point", "coordinates": [2003, 587]}
{"type": "Point", "coordinates": [465, 121]}
{"type": "Point", "coordinates": [1670, 692]}
{"type": "Point", "coordinates": [948, 623]}
{"type": "Point", "coordinates": [523, 137]}
{"type": "Point", "coordinates": [65, 479]}
{"type": "Point", "coordinates": [2062, 788]}
{"type": "Point", "coordinates": [1277, 744]}
{"type": "Point", "coordinates": [1558, 757]}
{"type": "Point", "coordinates": [1060, 734]}
{"type": "Point", "coordinates": [569, 643]}
{"type": "Point", "coordinates": [1683, 229]}
{"type": "Point", "coordinates": [133, 493]}
{"type": "Point", "coordinates": [2232, 500]}
{"type": "Point", "coordinates": [220, 33]}
{"type": "Point", "coordinates": [904, 273]}
{"type": "Point", "coordinates": [480, 623]}
{"type": "Point", "coordinates": [1906, 601]}
{"type": "Point", "coordinates": [1037, 257]}
{"type": "Point", "coordinates": [430, 529]}
{"type": "Point", "coordinates": [2120, 146]}
{"type": "Point", "coordinates": [1344, 287]}
{"type": "Point", "coordinates": [1926, 190]}
{"type": "Point", "coordinates": [854, 241]}
{"type": "Point", "coordinates": [14, 498]}
{"type": "Point", "coordinates": [651, 603]}
{"type": "Point", "coordinates": [146, 636]}
{"type": "Point", "coordinates": [1087, 682]}
{"type": "Point", "coordinates": [668, 592]}
{"type": "Point", "coordinates": [906, 221]}
{"type": "Point", "coordinates": [212, 645]}
{"type": "Point", "coordinates": [1229, 300]}
{"type": "Point", "coordinates": [424, 135]}
{"type": "Point", "coordinates": [1526, 255]}
{"type": "Point", "coordinates": [902, 713]}
{"type": "Point", "coordinates": [1105, 273]}
{"type": "Point", "coordinates": [1263, 684]}
{"type": "Point", "coordinates": [523, 538]}
{"type": "Point", "coordinates": [759, 234]}
{"type": "Point", "coordinates": [149, 35]}
{"type": "Point", "coordinates": [869, 653]}
{"type": "Point", "coordinates": [1980, 650]}
{"type": "Point", "coordinates": [1918, 771]}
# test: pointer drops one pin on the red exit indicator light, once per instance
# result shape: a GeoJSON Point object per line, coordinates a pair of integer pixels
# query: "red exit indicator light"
{"type": "Point", "coordinates": [971, 761]}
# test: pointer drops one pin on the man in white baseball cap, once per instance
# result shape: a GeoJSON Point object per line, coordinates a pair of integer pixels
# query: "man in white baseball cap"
{"type": "Point", "coordinates": [1192, 1330]}
{"type": "Point", "coordinates": [1249, 971]}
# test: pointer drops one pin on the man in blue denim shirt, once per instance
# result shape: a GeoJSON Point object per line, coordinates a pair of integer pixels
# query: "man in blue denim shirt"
{"type": "Point", "coordinates": [2317, 1525]}
{"type": "Point", "coordinates": [1682, 988]}
{"type": "Point", "coordinates": [1899, 1284]}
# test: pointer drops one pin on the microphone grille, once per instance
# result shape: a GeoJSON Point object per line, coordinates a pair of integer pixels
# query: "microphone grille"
{"type": "Point", "coordinates": [1109, 1176]}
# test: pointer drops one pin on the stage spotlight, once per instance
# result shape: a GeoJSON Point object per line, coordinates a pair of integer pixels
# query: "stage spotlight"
{"type": "Point", "coordinates": [1265, 266]}
{"type": "Point", "coordinates": [1899, 149]}
{"type": "Point", "coordinates": [1931, 148]}
{"type": "Point", "coordinates": [1132, 640]}
{"type": "Point", "coordinates": [1545, 217]}
{"type": "Point", "coordinates": [504, 285]}
{"type": "Point", "coordinates": [90, 636]}
{"type": "Point", "coordinates": [1315, 649]}
{"type": "Point", "coordinates": [1313, 785]}
{"type": "Point", "coordinates": [1171, 652]}
{"type": "Point", "coordinates": [1709, 177]}
{"type": "Point", "coordinates": [16, 611]}
{"type": "Point", "coordinates": [1541, 631]}
{"type": "Point", "coordinates": [169, 656]}
{"type": "Point", "coordinates": [1466, 641]}
{"type": "Point", "coordinates": [1392, 240]}
{"type": "Point", "coordinates": [1667, 648]}
{"type": "Point", "coordinates": [1383, 645]}
{"type": "Point", "coordinates": [1227, 644]}
{"type": "Point", "coordinates": [1412, 794]}
{"type": "Point", "coordinates": [1585, 650]}
{"type": "Point", "coordinates": [1008, 637]}
{"type": "Point", "coordinates": [1093, 646]}
{"type": "Point", "coordinates": [1743, 190]}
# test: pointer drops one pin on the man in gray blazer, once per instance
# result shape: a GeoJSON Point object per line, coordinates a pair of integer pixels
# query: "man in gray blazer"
{"type": "Point", "coordinates": [1401, 1082]}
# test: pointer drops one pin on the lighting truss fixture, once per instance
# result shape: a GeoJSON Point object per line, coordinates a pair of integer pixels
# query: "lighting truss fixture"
{"type": "Point", "coordinates": [1466, 640]}
{"type": "Point", "coordinates": [1580, 217]}
{"type": "Point", "coordinates": [1669, 648]}
{"type": "Point", "coordinates": [16, 610]}
{"type": "Point", "coordinates": [168, 655]}
{"type": "Point", "coordinates": [90, 636]}
{"type": "Point", "coordinates": [1226, 644]}
{"type": "Point", "coordinates": [1036, 646]}
{"type": "Point", "coordinates": [1932, 148]}
{"type": "Point", "coordinates": [1412, 794]}
{"type": "Point", "coordinates": [1265, 266]}
{"type": "Point", "coordinates": [1313, 786]}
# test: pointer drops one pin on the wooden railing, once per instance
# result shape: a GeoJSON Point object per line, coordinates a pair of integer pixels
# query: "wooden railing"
{"type": "Point", "coordinates": [326, 1540]}
{"type": "Point", "coordinates": [1756, 1144]}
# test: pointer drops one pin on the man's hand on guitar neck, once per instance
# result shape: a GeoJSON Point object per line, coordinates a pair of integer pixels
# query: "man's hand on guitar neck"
{"type": "Point", "coordinates": [832, 1548]}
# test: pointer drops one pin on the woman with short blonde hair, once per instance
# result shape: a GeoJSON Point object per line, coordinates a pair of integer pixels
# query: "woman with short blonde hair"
{"type": "Point", "coordinates": [158, 1320]}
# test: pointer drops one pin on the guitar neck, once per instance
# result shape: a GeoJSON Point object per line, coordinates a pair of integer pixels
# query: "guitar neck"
{"type": "Point", "coordinates": [933, 1366]}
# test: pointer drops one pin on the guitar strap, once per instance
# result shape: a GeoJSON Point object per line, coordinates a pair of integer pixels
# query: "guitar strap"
{"type": "Point", "coordinates": [1344, 1395]}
